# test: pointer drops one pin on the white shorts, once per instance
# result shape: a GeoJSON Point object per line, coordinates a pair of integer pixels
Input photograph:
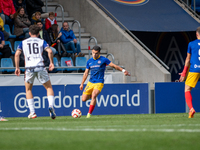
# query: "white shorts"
{"type": "Point", "coordinates": [40, 73]}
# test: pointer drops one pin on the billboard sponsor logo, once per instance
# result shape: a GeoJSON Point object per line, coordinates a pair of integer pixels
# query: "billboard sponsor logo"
{"type": "Point", "coordinates": [75, 101]}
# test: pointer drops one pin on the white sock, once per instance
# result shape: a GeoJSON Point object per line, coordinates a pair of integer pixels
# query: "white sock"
{"type": "Point", "coordinates": [51, 100]}
{"type": "Point", "coordinates": [31, 105]}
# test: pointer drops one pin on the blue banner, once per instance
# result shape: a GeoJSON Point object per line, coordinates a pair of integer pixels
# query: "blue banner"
{"type": "Point", "coordinates": [170, 97]}
{"type": "Point", "coordinates": [114, 99]}
{"type": "Point", "coordinates": [133, 15]}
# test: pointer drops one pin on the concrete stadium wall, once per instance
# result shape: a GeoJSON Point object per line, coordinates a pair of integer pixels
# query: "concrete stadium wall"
{"type": "Point", "coordinates": [61, 79]}
{"type": "Point", "coordinates": [130, 54]}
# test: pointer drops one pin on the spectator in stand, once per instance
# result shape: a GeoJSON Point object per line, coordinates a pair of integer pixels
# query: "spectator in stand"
{"type": "Point", "coordinates": [33, 6]}
{"type": "Point", "coordinates": [22, 23]}
{"type": "Point", "coordinates": [1, 14]}
{"type": "Point", "coordinates": [69, 40]}
{"type": "Point", "coordinates": [50, 20]}
{"type": "Point", "coordinates": [55, 39]}
{"type": "Point", "coordinates": [43, 34]}
{"type": "Point", "coordinates": [0, 9]}
{"type": "Point", "coordinates": [8, 9]}
{"type": "Point", "coordinates": [6, 34]}
{"type": "Point", "coordinates": [4, 49]}
{"type": "Point", "coordinates": [20, 3]}
{"type": "Point", "coordinates": [36, 18]}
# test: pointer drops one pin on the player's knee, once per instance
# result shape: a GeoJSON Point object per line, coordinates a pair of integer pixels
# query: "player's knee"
{"type": "Point", "coordinates": [84, 99]}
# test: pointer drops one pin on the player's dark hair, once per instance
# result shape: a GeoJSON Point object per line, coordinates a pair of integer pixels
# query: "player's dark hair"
{"type": "Point", "coordinates": [34, 29]}
{"type": "Point", "coordinates": [39, 21]}
{"type": "Point", "coordinates": [96, 48]}
{"type": "Point", "coordinates": [198, 30]}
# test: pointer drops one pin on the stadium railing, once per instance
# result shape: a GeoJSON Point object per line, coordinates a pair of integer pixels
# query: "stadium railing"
{"type": "Point", "coordinates": [89, 41]}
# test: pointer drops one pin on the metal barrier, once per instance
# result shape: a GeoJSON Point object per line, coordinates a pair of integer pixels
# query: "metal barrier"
{"type": "Point", "coordinates": [194, 6]}
{"type": "Point", "coordinates": [113, 60]}
{"type": "Point", "coordinates": [95, 40]}
{"type": "Point", "coordinates": [46, 1]}
{"type": "Point", "coordinates": [62, 10]}
{"type": "Point", "coordinates": [187, 6]}
{"type": "Point", "coordinates": [79, 29]}
{"type": "Point", "coordinates": [62, 68]}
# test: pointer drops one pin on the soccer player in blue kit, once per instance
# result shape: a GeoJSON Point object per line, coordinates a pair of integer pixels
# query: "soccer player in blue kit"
{"type": "Point", "coordinates": [96, 66]}
{"type": "Point", "coordinates": [192, 63]}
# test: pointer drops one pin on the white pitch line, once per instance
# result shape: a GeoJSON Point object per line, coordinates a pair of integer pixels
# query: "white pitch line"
{"type": "Point", "coordinates": [103, 130]}
{"type": "Point", "coordinates": [111, 126]}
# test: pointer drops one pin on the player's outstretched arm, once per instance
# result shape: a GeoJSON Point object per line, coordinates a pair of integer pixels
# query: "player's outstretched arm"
{"type": "Point", "coordinates": [186, 67]}
{"type": "Point", "coordinates": [85, 75]}
{"type": "Point", "coordinates": [17, 70]}
{"type": "Point", "coordinates": [126, 73]}
{"type": "Point", "coordinates": [50, 55]}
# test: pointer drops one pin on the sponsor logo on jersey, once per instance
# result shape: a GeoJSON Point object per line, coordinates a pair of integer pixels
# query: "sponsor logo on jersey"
{"type": "Point", "coordinates": [196, 66]}
{"type": "Point", "coordinates": [99, 61]}
{"type": "Point", "coordinates": [95, 66]}
{"type": "Point", "coordinates": [132, 2]}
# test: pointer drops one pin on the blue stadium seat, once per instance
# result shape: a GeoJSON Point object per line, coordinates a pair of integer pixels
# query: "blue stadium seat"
{"type": "Point", "coordinates": [63, 64]}
{"type": "Point", "coordinates": [16, 43]}
{"type": "Point", "coordinates": [7, 29]}
{"type": "Point", "coordinates": [8, 43]}
{"type": "Point", "coordinates": [81, 61]}
{"type": "Point", "coordinates": [197, 7]}
{"type": "Point", "coordinates": [55, 61]}
{"type": "Point", "coordinates": [7, 62]}
{"type": "Point", "coordinates": [56, 64]}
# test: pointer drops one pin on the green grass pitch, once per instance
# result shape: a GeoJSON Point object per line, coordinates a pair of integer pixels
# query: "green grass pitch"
{"type": "Point", "coordinates": [104, 132]}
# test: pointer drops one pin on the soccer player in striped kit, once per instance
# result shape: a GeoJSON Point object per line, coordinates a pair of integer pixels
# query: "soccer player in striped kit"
{"type": "Point", "coordinates": [32, 49]}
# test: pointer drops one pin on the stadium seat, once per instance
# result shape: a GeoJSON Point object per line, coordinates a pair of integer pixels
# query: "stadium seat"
{"type": "Point", "coordinates": [63, 64]}
{"type": "Point", "coordinates": [7, 29]}
{"type": "Point", "coordinates": [5, 63]}
{"type": "Point", "coordinates": [56, 64]}
{"type": "Point", "coordinates": [16, 44]}
{"type": "Point", "coordinates": [197, 7]}
{"type": "Point", "coordinates": [8, 43]}
{"type": "Point", "coordinates": [81, 61]}
{"type": "Point", "coordinates": [55, 61]}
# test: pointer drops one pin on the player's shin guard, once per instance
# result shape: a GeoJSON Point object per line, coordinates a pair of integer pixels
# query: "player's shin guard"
{"type": "Point", "coordinates": [91, 109]}
{"type": "Point", "coordinates": [188, 99]}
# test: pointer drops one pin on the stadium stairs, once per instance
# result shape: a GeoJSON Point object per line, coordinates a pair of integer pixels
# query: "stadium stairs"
{"type": "Point", "coordinates": [85, 36]}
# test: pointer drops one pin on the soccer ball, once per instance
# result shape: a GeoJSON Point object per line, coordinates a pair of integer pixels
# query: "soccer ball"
{"type": "Point", "coordinates": [76, 113]}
